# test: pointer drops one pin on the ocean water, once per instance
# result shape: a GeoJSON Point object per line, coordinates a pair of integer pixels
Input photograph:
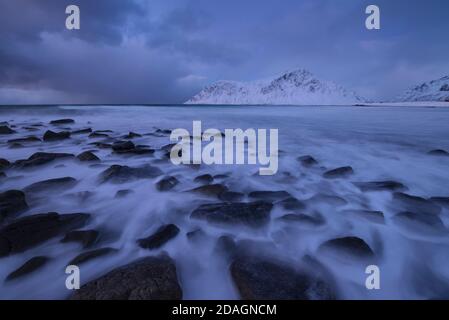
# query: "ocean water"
{"type": "Point", "coordinates": [379, 143]}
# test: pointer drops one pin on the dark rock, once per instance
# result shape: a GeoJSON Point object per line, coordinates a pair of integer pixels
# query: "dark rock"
{"type": "Point", "coordinates": [90, 255]}
{"type": "Point", "coordinates": [307, 161]}
{"type": "Point", "coordinates": [87, 156]}
{"type": "Point", "coordinates": [31, 128]}
{"type": "Point", "coordinates": [291, 204]}
{"type": "Point", "coordinates": [351, 245]}
{"type": "Point", "coordinates": [85, 237]}
{"type": "Point", "coordinates": [123, 193]}
{"type": "Point", "coordinates": [160, 237]}
{"type": "Point", "coordinates": [2, 175]}
{"type": "Point", "coordinates": [380, 186]}
{"type": "Point", "coordinates": [97, 134]}
{"type": "Point", "coordinates": [205, 178]}
{"type": "Point", "coordinates": [51, 184]}
{"type": "Point", "coordinates": [231, 196]}
{"type": "Point", "coordinates": [150, 278]}
{"type": "Point", "coordinates": [210, 190]}
{"type": "Point", "coordinates": [54, 136]}
{"type": "Point", "coordinates": [6, 130]}
{"type": "Point", "coordinates": [123, 146]}
{"type": "Point", "coordinates": [303, 219]}
{"type": "Point", "coordinates": [428, 219]}
{"type": "Point", "coordinates": [254, 214]}
{"type": "Point", "coordinates": [101, 145]}
{"type": "Point", "coordinates": [163, 131]}
{"type": "Point", "coordinates": [166, 183]}
{"type": "Point", "coordinates": [221, 176]}
{"type": "Point", "coordinates": [62, 121]}
{"type": "Point", "coordinates": [442, 201]}
{"type": "Point", "coordinates": [15, 145]}
{"type": "Point", "coordinates": [269, 195]}
{"type": "Point", "coordinates": [41, 158]}
{"type": "Point", "coordinates": [121, 174]}
{"type": "Point", "coordinates": [31, 231]}
{"type": "Point", "coordinates": [263, 279]}
{"type": "Point", "coordinates": [341, 172]}
{"type": "Point", "coordinates": [28, 267]}
{"type": "Point", "coordinates": [438, 152]}
{"type": "Point", "coordinates": [82, 131]}
{"type": "Point", "coordinates": [132, 135]}
{"type": "Point", "coordinates": [12, 202]}
{"type": "Point", "coordinates": [328, 199]}
{"type": "Point", "coordinates": [4, 164]}
{"type": "Point", "coordinates": [415, 204]}
{"type": "Point", "coordinates": [24, 140]}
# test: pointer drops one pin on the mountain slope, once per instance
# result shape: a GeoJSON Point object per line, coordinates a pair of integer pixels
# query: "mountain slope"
{"type": "Point", "coordinates": [298, 87]}
{"type": "Point", "coordinates": [435, 90]}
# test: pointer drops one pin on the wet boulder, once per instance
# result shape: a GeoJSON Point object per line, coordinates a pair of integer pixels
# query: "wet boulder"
{"type": "Point", "coordinates": [160, 237]}
{"type": "Point", "coordinates": [342, 172]}
{"type": "Point", "coordinates": [82, 131]}
{"type": "Point", "coordinates": [213, 190]}
{"type": "Point", "coordinates": [380, 186]}
{"type": "Point", "coordinates": [25, 233]}
{"type": "Point", "coordinates": [12, 202]}
{"type": "Point", "coordinates": [415, 204]}
{"type": "Point", "coordinates": [24, 140]}
{"type": "Point", "coordinates": [90, 255]}
{"type": "Point", "coordinates": [97, 134]}
{"type": "Point", "coordinates": [253, 214]}
{"type": "Point", "coordinates": [205, 178]}
{"type": "Point", "coordinates": [307, 161]}
{"type": "Point", "coordinates": [87, 156]}
{"type": "Point", "coordinates": [269, 279]}
{"type": "Point", "coordinates": [231, 196]}
{"type": "Point", "coordinates": [62, 121]}
{"type": "Point", "coordinates": [54, 136]}
{"type": "Point", "coordinates": [352, 246]}
{"type": "Point", "coordinates": [86, 238]}
{"type": "Point", "coordinates": [303, 219]}
{"type": "Point", "coordinates": [41, 158]}
{"type": "Point", "coordinates": [51, 184]}
{"type": "Point", "coordinates": [269, 195]}
{"type": "Point", "coordinates": [132, 135]}
{"type": "Point", "coordinates": [6, 130]}
{"type": "Point", "coordinates": [28, 267]}
{"type": "Point", "coordinates": [123, 193]}
{"type": "Point", "coordinates": [291, 203]}
{"type": "Point", "coordinates": [438, 152]}
{"type": "Point", "coordinates": [4, 164]}
{"type": "Point", "coordinates": [122, 146]}
{"type": "Point", "coordinates": [150, 278]}
{"type": "Point", "coordinates": [167, 183]}
{"type": "Point", "coordinates": [121, 174]}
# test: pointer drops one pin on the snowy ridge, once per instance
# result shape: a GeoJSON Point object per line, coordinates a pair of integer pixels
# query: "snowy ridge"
{"type": "Point", "coordinates": [435, 90]}
{"type": "Point", "coordinates": [298, 87]}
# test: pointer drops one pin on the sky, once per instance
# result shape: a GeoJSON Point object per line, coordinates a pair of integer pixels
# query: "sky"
{"type": "Point", "coordinates": [165, 51]}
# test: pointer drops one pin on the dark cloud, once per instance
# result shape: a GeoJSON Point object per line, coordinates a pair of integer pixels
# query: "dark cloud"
{"type": "Point", "coordinates": [139, 51]}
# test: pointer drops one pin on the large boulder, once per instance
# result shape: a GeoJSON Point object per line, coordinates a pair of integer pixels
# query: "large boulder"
{"type": "Point", "coordinates": [352, 246]}
{"type": "Point", "coordinates": [269, 195]}
{"type": "Point", "coordinates": [87, 156]}
{"type": "Point", "coordinates": [253, 214]}
{"type": "Point", "coordinates": [6, 130]}
{"type": "Point", "coordinates": [121, 174]}
{"type": "Point", "coordinates": [54, 136]}
{"type": "Point", "coordinates": [25, 233]}
{"type": "Point", "coordinates": [415, 204]}
{"type": "Point", "coordinates": [12, 202]}
{"type": "Point", "coordinates": [211, 190]}
{"type": "Point", "coordinates": [159, 238]}
{"type": "Point", "coordinates": [62, 121]}
{"type": "Point", "coordinates": [150, 278]}
{"type": "Point", "coordinates": [85, 237]}
{"type": "Point", "coordinates": [166, 183]}
{"type": "Point", "coordinates": [41, 158]}
{"type": "Point", "coordinates": [51, 184]}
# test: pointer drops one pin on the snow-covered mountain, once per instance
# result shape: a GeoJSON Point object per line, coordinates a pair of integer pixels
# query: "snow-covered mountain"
{"type": "Point", "coordinates": [435, 90]}
{"type": "Point", "coordinates": [298, 87]}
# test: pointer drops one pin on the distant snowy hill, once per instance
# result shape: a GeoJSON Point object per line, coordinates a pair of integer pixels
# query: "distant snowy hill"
{"type": "Point", "coordinates": [435, 90]}
{"type": "Point", "coordinates": [298, 87]}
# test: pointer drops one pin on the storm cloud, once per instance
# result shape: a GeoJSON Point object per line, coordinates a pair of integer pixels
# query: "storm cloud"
{"type": "Point", "coordinates": [157, 51]}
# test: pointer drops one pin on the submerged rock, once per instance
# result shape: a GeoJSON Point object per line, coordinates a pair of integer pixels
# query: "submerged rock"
{"type": "Point", "coordinates": [253, 214]}
{"type": "Point", "coordinates": [303, 219]}
{"type": "Point", "coordinates": [42, 186]}
{"type": "Point", "coordinates": [82, 131]}
{"type": "Point", "coordinates": [380, 186]}
{"type": "Point", "coordinates": [264, 279]}
{"type": "Point", "coordinates": [269, 195]}
{"type": "Point", "coordinates": [6, 130]}
{"type": "Point", "coordinates": [439, 152]}
{"type": "Point", "coordinates": [54, 136]}
{"type": "Point", "coordinates": [411, 218]}
{"type": "Point", "coordinates": [415, 204]}
{"type": "Point", "coordinates": [97, 134]}
{"type": "Point", "coordinates": [24, 140]}
{"type": "Point", "coordinates": [231, 196]}
{"type": "Point", "coordinates": [122, 146]}
{"type": "Point", "coordinates": [210, 190]}
{"type": "Point", "coordinates": [166, 183]}
{"type": "Point", "coordinates": [196, 235]}
{"type": "Point", "coordinates": [328, 199]}
{"type": "Point", "coordinates": [121, 174]}
{"type": "Point", "coordinates": [160, 237]}
{"type": "Point", "coordinates": [307, 161]}
{"type": "Point", "coordinates": [90, 255]}
{"type": "Point", "coordinates": [28, 267]}
{"type": "Point", "coordinates": [442, 201]}
{"type": "Point", "coordinates": [150, 278]}
{"type": "Point", "coordinates": [123, 193]}
{"type": "Point", "coordinates": [4, 164]}
{"type": "Point", "coordinates": [341, 172]}
{"type": "Point", "coordinates": [25, 233]}
{"type": "Point", "coordinates": [132, 135]}
{"type": "Point", "coordinates": [353, 246]}
{"type": "Point", "coordinates": [374, 216]}
{"type": "Point", "coordinates": [41, 158]}
{"type": "Point", "coordinates": [291, 204]}
{"type": "Point", "coordinates": [62, 121]}
{"type": "Point", "coordinates": [12, 202]}
{"type": "Point", "coordinates": [87, 156]}
{"type": "Point", "coordinates": [226, 246]}
{"type": "Point", "coordinates": [85, 237]}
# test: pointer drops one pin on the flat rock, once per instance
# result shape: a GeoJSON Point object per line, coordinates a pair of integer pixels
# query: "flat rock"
{"type": "Point", "coordinates": [52, 184]}
{"type": "Point", "coordinates": [269, 195]}
{"type": "Point", "coordinates": [24, 140]}
{"type": "Point", "coordinates": [12, 202]}
{"type": "Point", "coordinates": [121, 174]}
{"type": "Point", "coordinates": [54, 136]}
{"type": "Point", "coordinates": [87, 156]}
{"type": "Point", "coordinates": [25, 233]}
{"type": "Point", "coordinates": [341, 172]}
{"type": "Point", "coordinates": [350, 245]}
{"type": "Point", "coordinates": [307, 161]}
{"type": "Point", "coordinates": [415, 204]}
{"type": "Point", "coordinates": [82, 131]}
{"type": "Point", "coordinates": [90, 255]}
{"type": "Point", "coordinates": [253, 214]}
{"type": "Point", "coordinates": [28, 267]}
{"type": "Point", "coordinates": [380, 186]}
{"type": "Point", "coordinates": [164, 234]}
{"type": "Point", "coordinates": [210, 190]}
{"type": "Point", "coordinates": [62, 121]}
{"type": "Point", "coordinates": [6, 130]}
{"type": "Point", "coordinates": [41, 158]}
{"type": "Point", "coordinates": [97, 134]}
{"type": "Point", "coordinates": [85, 237]}
{"type": "Point", "coordinates": [166, 183]}
{"type": "Point", "coordinates": [150, 278]}
{"type": "Point", "coordinates": [264, 279]}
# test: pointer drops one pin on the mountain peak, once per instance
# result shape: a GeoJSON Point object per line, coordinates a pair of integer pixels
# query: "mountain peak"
{"type": "Point", "coordinates": [435, 90]}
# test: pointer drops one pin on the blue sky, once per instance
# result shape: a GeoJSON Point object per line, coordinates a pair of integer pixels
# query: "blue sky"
{"type": "Point", "coordinates": [139, 51]}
